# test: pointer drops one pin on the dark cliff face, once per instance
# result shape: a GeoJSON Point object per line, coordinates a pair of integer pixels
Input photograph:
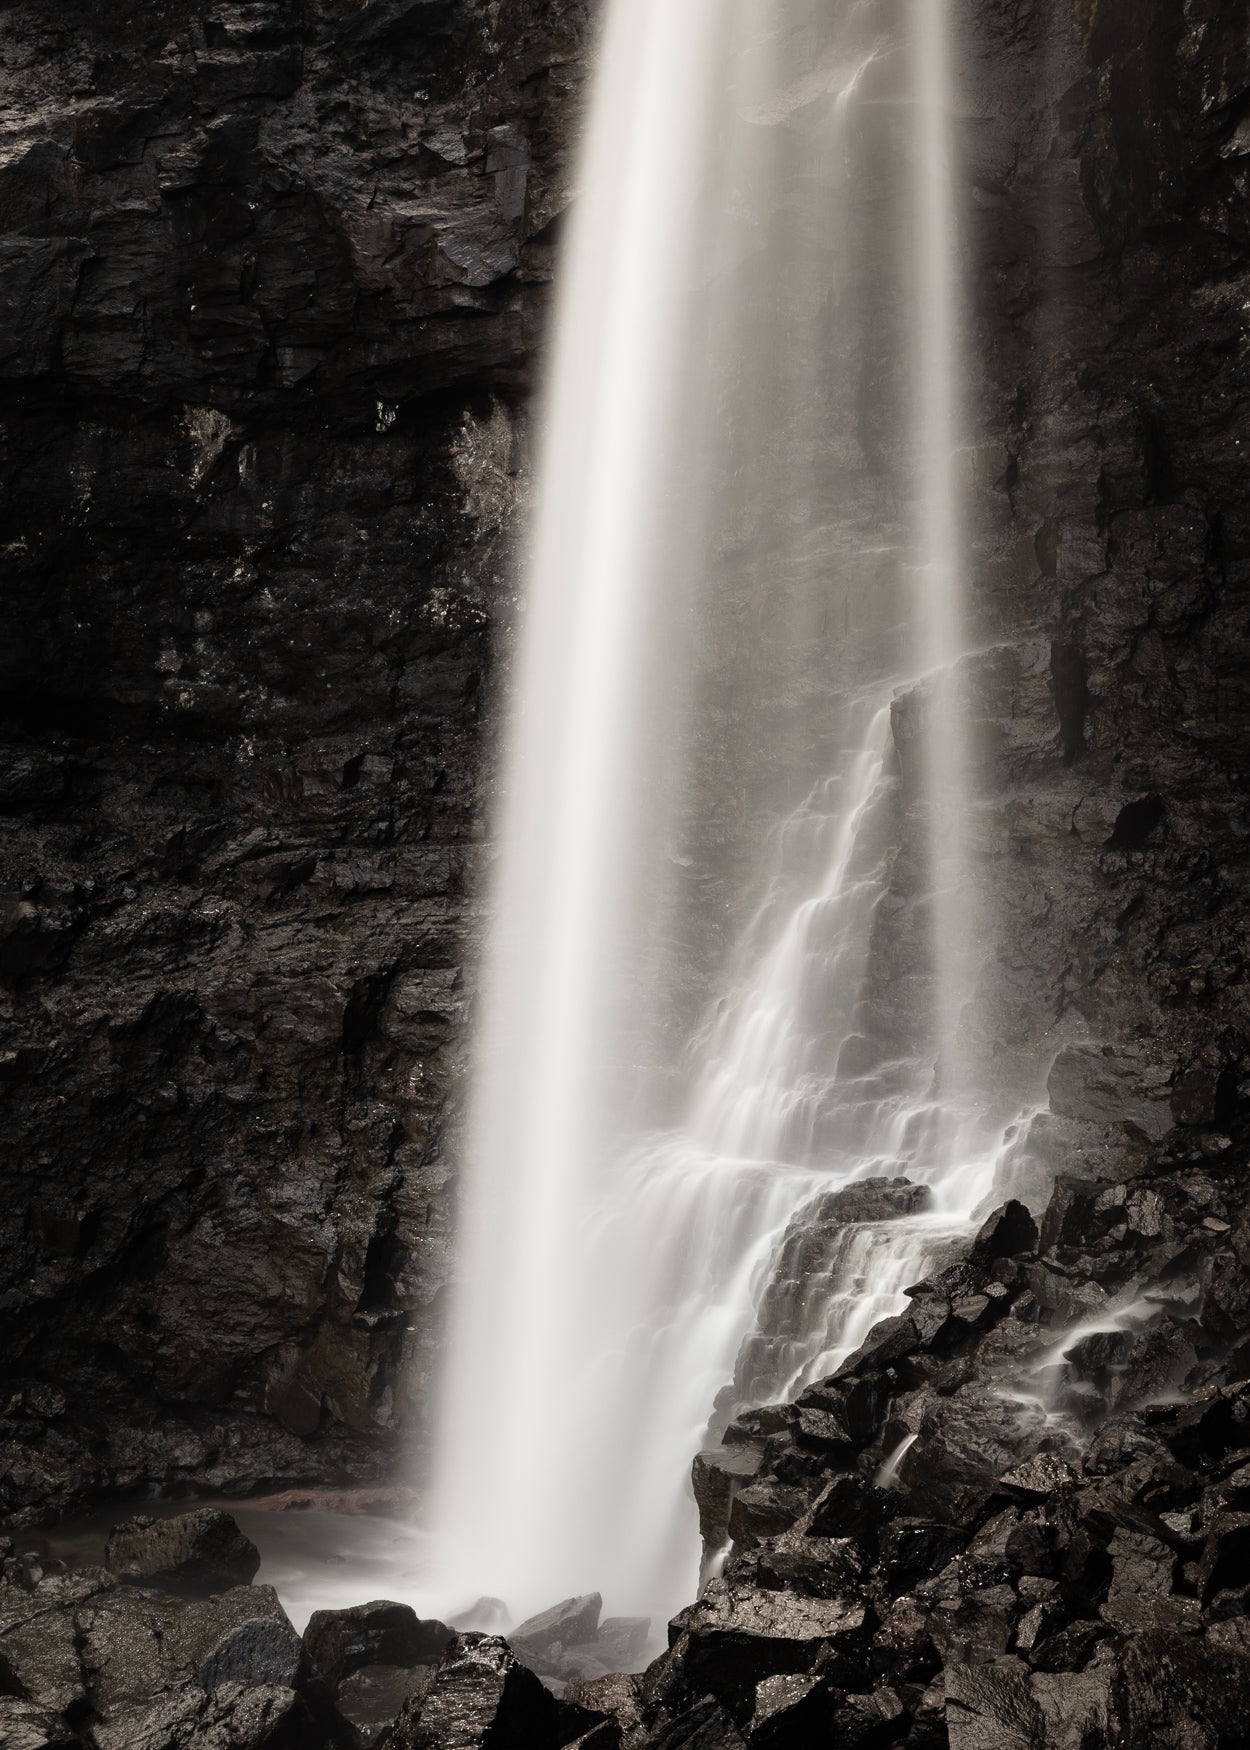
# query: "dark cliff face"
{"type": "Point", "coordinates": [1108, 165]}
{"type": "Point", "coordinates": [274, 285]}
{"type": "Point", "coordinates": [274, 278]}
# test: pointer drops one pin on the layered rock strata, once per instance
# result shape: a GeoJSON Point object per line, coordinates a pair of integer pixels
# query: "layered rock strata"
{"type": "Point", "coordinates": [275, 276]}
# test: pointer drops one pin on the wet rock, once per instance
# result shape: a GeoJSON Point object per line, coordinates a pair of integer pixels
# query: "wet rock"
{"type": "Point", "coordinates": [338, 1643]}
{"type": "Point", "coordinates": [1010, 1230]}
{"type": "Point", "coordinates": [706, 1726]}
{"type": "Point", "coordinates": [903, 1647]}
{"type": "Point", "coordinates": [736, 1636]}
{"type": "Point", "coordinates": [1075, 1709]}
{"type": "Point", "coordinates": [40, 1653]}
{"type": "Point", "coordinates": [850, 1507]}
{"type": "Point", "coordinates": [1071, 1649]}
{"type": "Point", "coordinates": [789, 1711]}
{"type": "Point", "coordinates": [478, 1696]}
{"type": "Point", "coordinates": [765, 1509]}
{"type": "Point", "coordinates": [1039, 1477]}
{"type": "Point", "coordinates": [617, 1696]}
{"type": "Point", "coordinates": [371, 1698]}
{"type": "Point", "coordinates": [26, 1725]}
{"type": "Point", "coordinates": [1178, 1691]}
{"type": "Point", "coordinates": [716, 1477]}
{"type": "Point", "coordinates": [571, 1623]}
{"type": "Point", "coordinates": [965, 1442]}
{"type": "Point", "coordinates": [990, 1707]}
{"type": "Point", "coordinates": [816, 1567]}
{"type": "Point", "coordinates": [1225, 1564]}
{"type": "Point", "coordinates": [1103, 1085]}
{"type": "Point", "coordinates": [1003, 1707]}
{"type": "Point", "coordinates": [261, 1651]}
{"type": "Point", "coordinates": [869, 1722]}
{"type": "Point", "coordinates": [233, 1717]}
{"type": "Point", "coordinates": [970, 1624]}
{"type": "Point", "coordinates": [1142, 1572]}
{"type": "Point", "coordinates": [790, 1313]}
{"type": "Point", "coordinates": [137, 1646]}
{"type": "Point", "coordinates": [914, 1549]}
{"type": "Point", "coordinates": [238, 788]}
{"type": "Point", "coordinates": [200, 1552]}
{"type": "Point", "coordinates": [1043, 1616]}
{"type": "Point", "coordinates": [1073, 1216]}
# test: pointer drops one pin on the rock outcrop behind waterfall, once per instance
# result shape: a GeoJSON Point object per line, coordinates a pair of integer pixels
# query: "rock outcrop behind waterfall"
{"type": "Point", "coordinates": [274, 279]}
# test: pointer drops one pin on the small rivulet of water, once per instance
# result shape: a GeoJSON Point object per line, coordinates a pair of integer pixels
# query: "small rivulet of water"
{"type": "Point", "coordinates": [724, 1105]}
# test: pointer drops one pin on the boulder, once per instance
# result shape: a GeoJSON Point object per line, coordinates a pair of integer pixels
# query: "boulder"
{"type": "Point", "coordinates": [914, 1549]}
{"type": "Point", "coordinates": [39, 1641]}
{"type": "Point", "coordinates": [26, 1725]}
{"type": "Point", "coordinates": [902, 1647]}
{"type": "Point", "coordinates": [485, 1616]}
{"type": "Point", "coordinates": [990, 1707]}
{"type": "Point", "coordinates": [1226, 1554]}
{"type": "Point", "coordinates": [479, 1697]}
{"type": "Point", "coordinates": [869, 1722]}
{"type": "Point", "coordinates": [1070, 1649]}
{"type": "Point", "coordinates": [1175, 1690]}
{"type": "Point", "coordinates": [617, 1696]}
{"type": "Point", "coordinates": [816, 1567]}
{"type": "Point", "coordinates": [716, 1476]}
{"type": "Point", "coordinates": [263, 1650]}
{"type": "Point", "coordinates": [363, 1663]}
{"type": "Point", "coordinates": [765, 1509]}
{"type": "Point", "coordinates": [1039, 1477]}
{"type": "Point", "coordinates": [705, 1727]}
{"type": "Point", "coordinates": [624, 1640]}
{"type": "Point", "coordinates": [235, 1717]}
{"type": "Point", "coordinates": [738, 1635]}
{"type": "Point", "coordinates": [370, 1699]}
{"type": "Point", "coordinates": [195, 1553]}
{"type": "Point", "coordinates": [971, 1625]}
{"type": "Point", "coordinates": [572, 1623]}
{"type": "Point", "coordinates": [338, 1643]}
{"type": "Point", "coordinates": [789, 1711]}
{"type": "Point", "coordinates": [1010, 1230]}
{"type": "Point", "coordinates": [137, 1646]}
{"type": "Point", "coordinates": [851, 1507]}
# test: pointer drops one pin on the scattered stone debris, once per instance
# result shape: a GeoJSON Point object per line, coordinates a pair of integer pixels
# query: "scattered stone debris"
{"type": "Point", "coordinates": [1061, 1558]}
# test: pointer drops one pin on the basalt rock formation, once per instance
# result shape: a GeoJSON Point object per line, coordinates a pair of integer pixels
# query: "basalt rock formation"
{"type": "Point", "coordinates": [274, 279]}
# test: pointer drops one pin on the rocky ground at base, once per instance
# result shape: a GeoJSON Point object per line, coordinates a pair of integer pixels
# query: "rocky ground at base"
{"type": "Point", "coordinates": [1019, 1516]}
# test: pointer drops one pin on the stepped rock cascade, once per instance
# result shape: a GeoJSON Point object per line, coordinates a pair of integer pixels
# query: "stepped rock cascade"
{"type": "Point", "coordinates": [735, 786]}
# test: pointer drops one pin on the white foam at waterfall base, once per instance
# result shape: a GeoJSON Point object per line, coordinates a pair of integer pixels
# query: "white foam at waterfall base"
{"type": "Point", "coordinates": [609, 1268]}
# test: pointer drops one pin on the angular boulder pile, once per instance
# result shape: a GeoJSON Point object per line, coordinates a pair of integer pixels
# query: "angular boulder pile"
{"type": "Point", "coordinates": [175, 1650]}
{"type": "Point", "coordinates": [1018, 1517]}
{"type": "Point", "coordinates": [572, 1642]}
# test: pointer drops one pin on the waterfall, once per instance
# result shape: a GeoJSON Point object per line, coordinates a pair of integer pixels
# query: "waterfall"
{"type": "Point", "coordinates": [731, 927]}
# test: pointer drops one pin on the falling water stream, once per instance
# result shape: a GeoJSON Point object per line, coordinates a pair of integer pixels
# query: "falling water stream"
{"type": "Point", "coordinates": [733, 908]}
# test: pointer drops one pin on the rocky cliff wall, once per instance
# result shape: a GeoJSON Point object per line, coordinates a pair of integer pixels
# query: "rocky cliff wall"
{"type": "Point", "coordinates": [273, 296]}
{"type": "Point", "coordinates": [272, 281]}
{"type": "Point", "coordinates": [275, 279]}
{"type": "Point", "coordinates": [1107, 163]}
